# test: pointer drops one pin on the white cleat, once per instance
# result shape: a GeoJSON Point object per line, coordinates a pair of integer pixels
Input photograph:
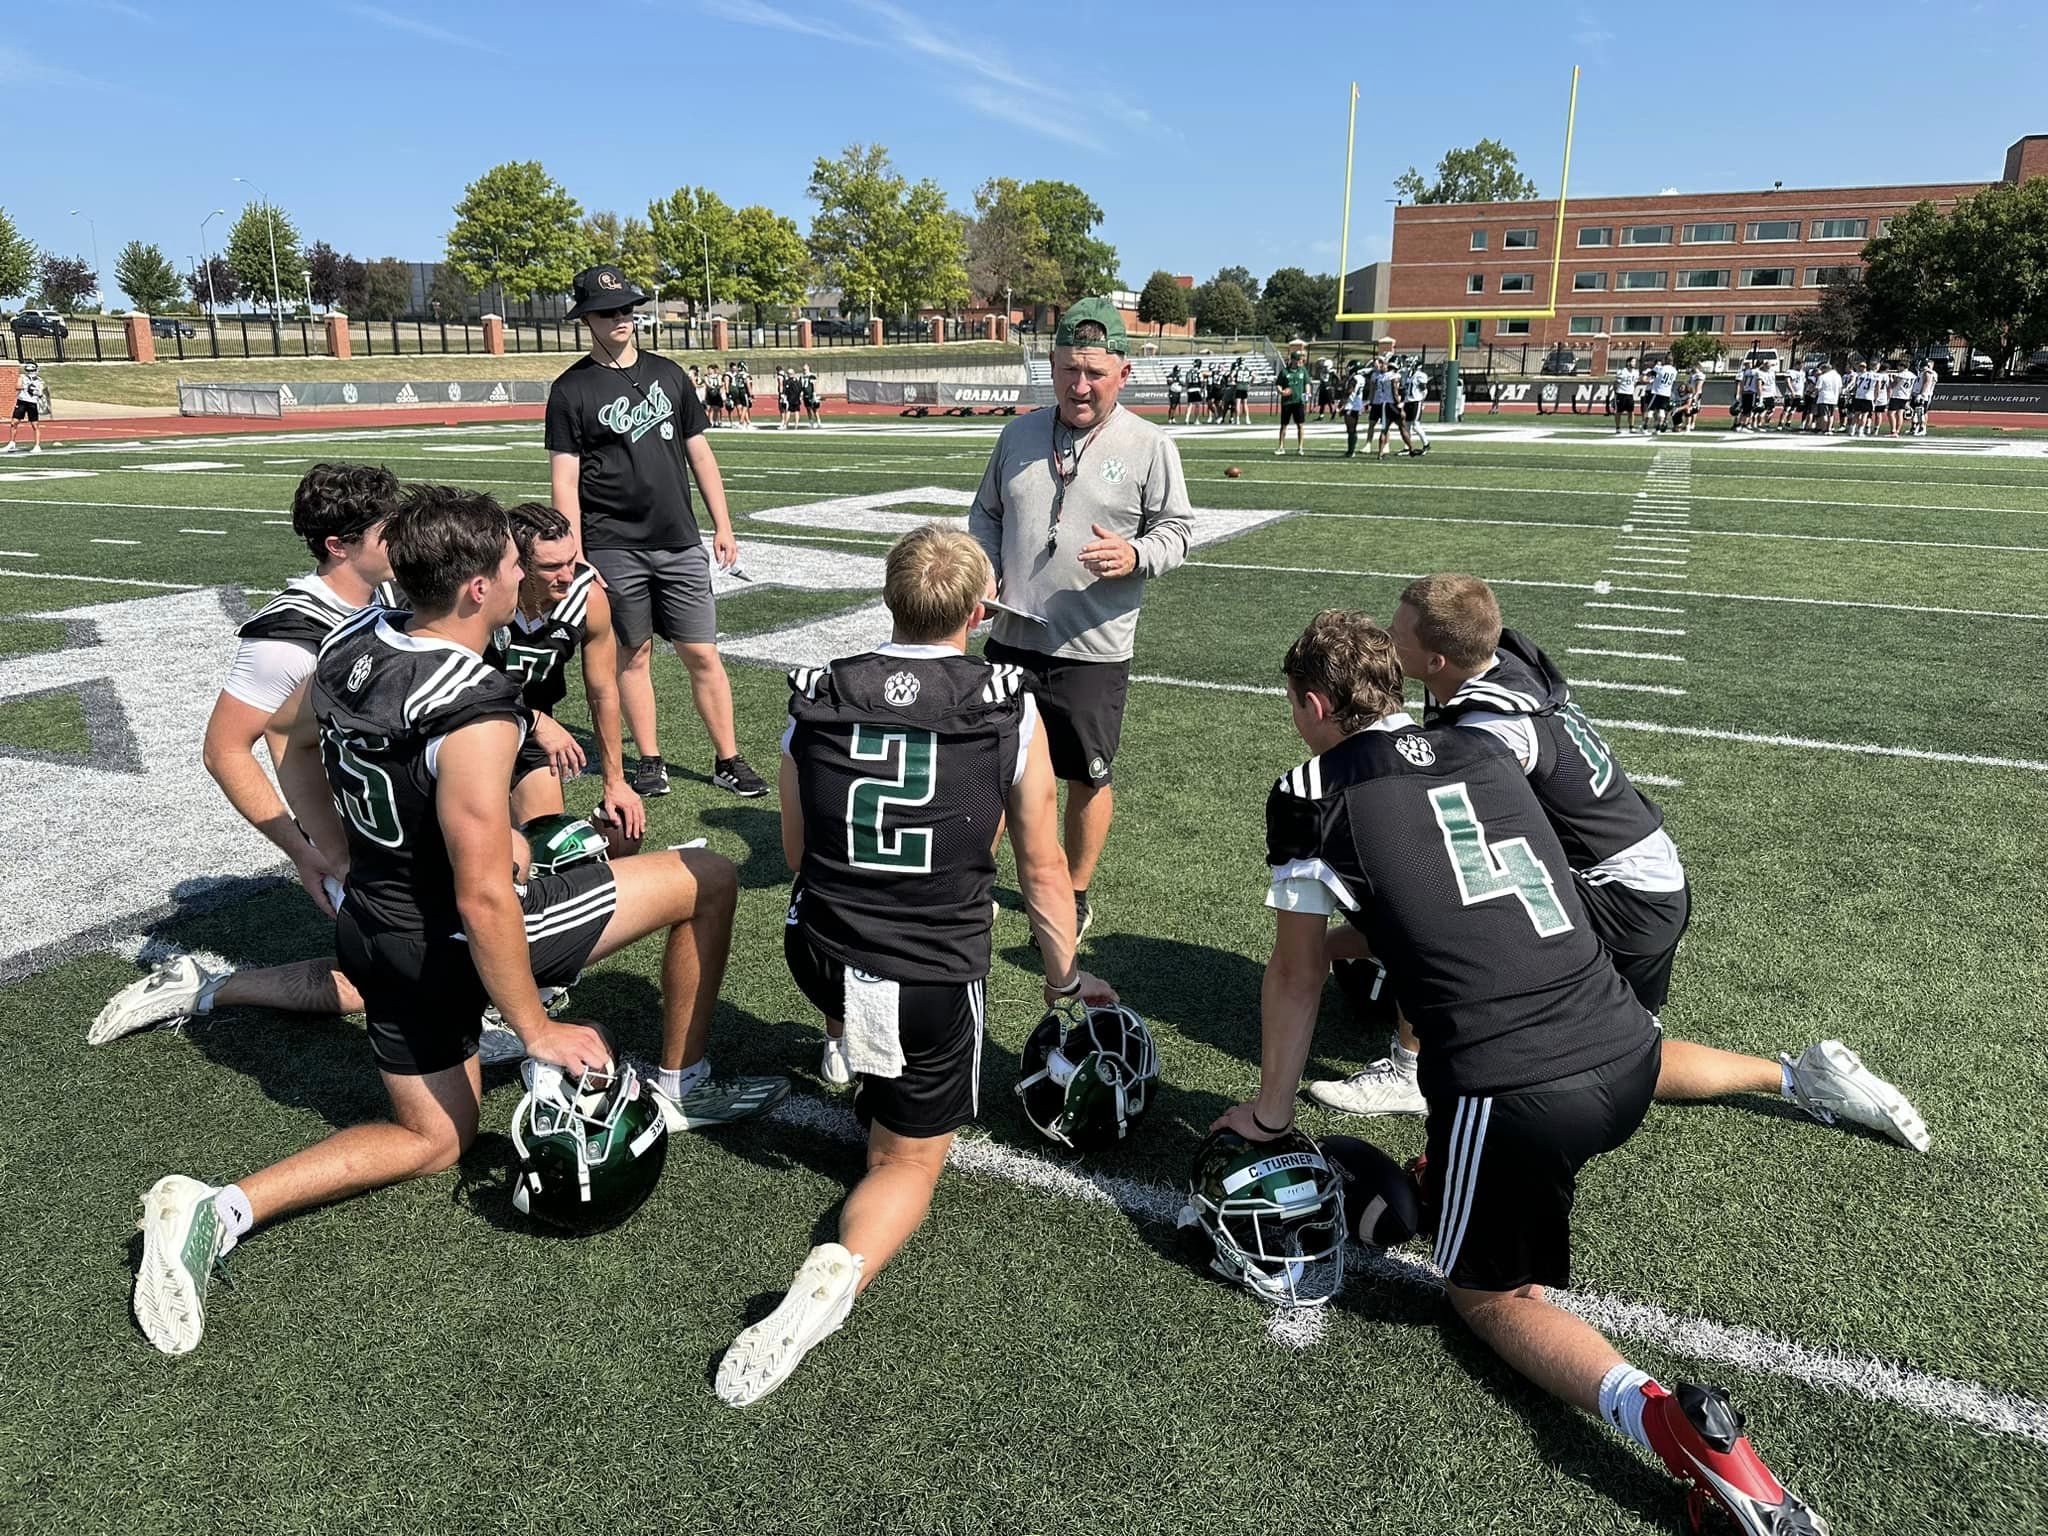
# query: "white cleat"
{"type": "Point", "coordinates": [819, 1299]}
{"type": "Point", "coordinates": [836, 1067]}
{"type": "Point", "coordinates": [1830, 1082]}
{"type": "Point", "coordinates": [1380, 1089]}
{"type": "Point", "coordinates": [182, 1240]}
{"type": "Point", "coordinates": [170, 994]}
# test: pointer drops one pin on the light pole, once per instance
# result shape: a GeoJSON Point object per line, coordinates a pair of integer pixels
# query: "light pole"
{"type": "Point", "coordinates": [207, 256]}
{"type": "Point", "coordinates": [98, 293]}
{"type": "Point", "coordinates": [270, 219]}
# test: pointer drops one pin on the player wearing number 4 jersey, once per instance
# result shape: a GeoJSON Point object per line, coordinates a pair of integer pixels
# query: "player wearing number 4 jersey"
{"type": "Point", "coordinates": [1537, 1058]}
{"type": "Point", "coordinates": [418, 735]}
{"type": "Point", "coordinates": [1483, 677]}
{"type": "Point", "coordinates": [898, 769]}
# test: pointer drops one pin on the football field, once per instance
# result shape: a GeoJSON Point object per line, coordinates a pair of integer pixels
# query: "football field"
{"type": "Point", "coordinates": [1825, 661]}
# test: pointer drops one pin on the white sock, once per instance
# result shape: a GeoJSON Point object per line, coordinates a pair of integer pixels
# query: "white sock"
{"type": "Point", "coordinates": [204, 1002]}
{"type": "Point", "coordinates": [1785, 1088]}
{"type": "Point", "coordinates": [232, 1206]}
{"type": "Point", "coordinates": [677, 1081]}
{"type": "Point", "coordinates": [1622, 1402]}
{"type": "Point", "coordinates": [1405, 1061]}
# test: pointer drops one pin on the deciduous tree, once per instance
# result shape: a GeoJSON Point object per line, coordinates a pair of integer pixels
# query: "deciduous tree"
{"type": "Point", "coordinates": [323, 272]}
{"type": "Point", "coordinates": [1163, 302]}
{"type": "Point", "coordinates": [18, 260]}
{"type": "Point", "coordinates": [1221, 308]}
{"type": "Point", "coordinates": [1087, 265]}
{"type": "Point", "coordinates": [64, 280]}
{"type": "Point", "coordinates": [1297, 304]}
{"type": "Point", "coordinates": [690, 229]}
{"type": "Point", "coordinates": [769, 261]}
{"type": "Point", "coordinates": [517, 229]}
{"type": "Point", "coordinates": [249, 254]}
{"type": "Point", "coordinates": [1485, 173]}
{"type": "Point", "coordinates": [387, 289]}
{"type": "Point", "coordinates": [223, 288]}
{"type": "Point", "coordinates": [147, 277]}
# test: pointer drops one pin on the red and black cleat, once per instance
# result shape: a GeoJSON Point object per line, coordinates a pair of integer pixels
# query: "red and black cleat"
{"type": "Point", "coordinates": [1698, 1433]}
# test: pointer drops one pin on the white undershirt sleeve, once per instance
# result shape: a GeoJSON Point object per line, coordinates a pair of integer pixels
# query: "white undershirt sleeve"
{"type": "Point", "coordinates": [267, 672]}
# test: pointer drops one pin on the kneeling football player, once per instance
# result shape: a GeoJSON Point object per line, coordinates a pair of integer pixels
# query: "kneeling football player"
{"type": "Point", "coordinates": [418, 735]}
{"type": "Point", "coordinates": [1537, 1056]}
{"type": "Point", "coordinates": [898, 768]}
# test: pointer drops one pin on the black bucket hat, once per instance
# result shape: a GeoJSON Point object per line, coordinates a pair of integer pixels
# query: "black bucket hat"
{"type": "Point", "coordinates": [603, 287]}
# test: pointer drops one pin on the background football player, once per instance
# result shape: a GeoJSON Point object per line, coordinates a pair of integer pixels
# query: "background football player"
{"type": "Point", "coordinates": [889, 917]}
{"type": "Point", "coordinates": [418, 735]}
{"type": "Point", "coordinates": [1538, 1057]}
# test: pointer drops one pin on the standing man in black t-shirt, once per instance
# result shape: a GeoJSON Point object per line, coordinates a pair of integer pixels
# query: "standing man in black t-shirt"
{"type": "Point", "coordinates": [625, 434]}
{"type": "Point", "coordinates": [1537, 1057]}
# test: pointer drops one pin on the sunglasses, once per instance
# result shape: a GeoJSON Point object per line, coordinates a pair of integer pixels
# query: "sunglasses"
{"type": "Point", "coordinates": [611, 314]}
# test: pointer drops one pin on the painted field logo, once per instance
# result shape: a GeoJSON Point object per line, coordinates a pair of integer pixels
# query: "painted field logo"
{"type": "Point", "coordinates": [1417, 750]}
{"type": "Point", "coordinates": [902, 689]}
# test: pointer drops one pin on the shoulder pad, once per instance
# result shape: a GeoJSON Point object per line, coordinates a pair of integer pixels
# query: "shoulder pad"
{"type": "Point", "coordinates": [1004, 682]}
{"type": "Point", "coordinates": [575, 603]}
{"type": "Point", "coordinates": [355, 624]}
{"type": "Point", "coordinates": [1303, 783]}
{"type": "Point", "coordinates": [458, 681]}
{"type": "Point", "coordinates": [806, 681]}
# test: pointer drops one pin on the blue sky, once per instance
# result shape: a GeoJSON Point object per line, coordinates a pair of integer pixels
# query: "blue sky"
{"type": "Point", "coordinates": [1211, 134]}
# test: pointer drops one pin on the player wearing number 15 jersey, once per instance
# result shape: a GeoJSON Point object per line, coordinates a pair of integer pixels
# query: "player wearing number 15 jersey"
{"type": "Point", "coordinates": [1536, 1059]}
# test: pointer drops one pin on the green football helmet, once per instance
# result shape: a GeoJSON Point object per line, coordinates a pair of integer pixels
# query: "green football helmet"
{"type": "Point", "coordinates": [585, 1155]}
{"type": "Point", "coordinates": [562, 842]}
{"type": "Point", "coordinates": [1087, 1074]}
{"type": "Point", "coordinates": [1270, 1215]}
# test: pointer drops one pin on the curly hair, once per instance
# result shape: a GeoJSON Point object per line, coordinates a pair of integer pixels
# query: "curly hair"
{"type": "Point", "coordinates": [533, 521]}
{"type": "Point", "coordinates": [341, 501]}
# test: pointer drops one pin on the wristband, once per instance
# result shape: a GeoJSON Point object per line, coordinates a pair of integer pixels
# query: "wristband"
{"type": "Point", "coordinates": [1270, 1130]}
{"type": "Point", "coordinates": [1071, 989]}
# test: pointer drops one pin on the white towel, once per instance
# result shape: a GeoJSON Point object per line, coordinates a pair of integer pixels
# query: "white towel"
{"type": "Point", "coordinates": [873, 1044]}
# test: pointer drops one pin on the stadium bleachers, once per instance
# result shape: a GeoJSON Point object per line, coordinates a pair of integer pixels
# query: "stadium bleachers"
{"type": "Point", "coordinates": [1259, 366]}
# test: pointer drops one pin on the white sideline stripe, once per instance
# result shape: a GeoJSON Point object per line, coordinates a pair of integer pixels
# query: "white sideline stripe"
{"type": "Point", "coordinates": [1629, 629]}
{"type": "Point", "coordinates": [1845, 602]}
{"type": "Point", "coordinates": [1658, 559]}
{"type": "Point", "coordinates": [1615, 570]}
{"type": "Point", "coordinates": [219, 533]}
{"type": "Point", "coordinates": [277, 522]}
{"type": "Point", "coordinates": [20, 554]}
{"type": "Point", "coordinates": [1636, 607]}
{"type": "Point", "coordinates": [1269, 692]}
{"type": "Point", "coordinates": [1863, 748]}
{"type": "Point", "coordinates": [117, 541]}
{"type": "Point", "coordinates": [1657, 780]}
{"type": "Point", "coordinates": [1586, 650]}
{"type": "Point", "coordinates": [109, 581]}
{"type": "Point", "coordinates": [1697, 1338]}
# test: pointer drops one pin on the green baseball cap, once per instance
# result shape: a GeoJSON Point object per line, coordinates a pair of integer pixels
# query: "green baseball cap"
{"type": "Point", "coordinates": [1097, 312]}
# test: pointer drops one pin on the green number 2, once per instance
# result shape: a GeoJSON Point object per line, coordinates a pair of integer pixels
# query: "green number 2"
{"type": "Point", "coordinates": [1591, 747]}
{"type": "Point", "coordinates": [362, 790]}
{"type": "Point", "coordinates": [907, 850]}
{"type": "Point", "coordinates": [1488, 870]}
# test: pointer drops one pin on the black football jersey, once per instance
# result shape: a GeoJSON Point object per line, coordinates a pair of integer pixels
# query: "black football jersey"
{"type": "Point", "coordinates": [536, 654]}
{"type": "Point", "coordinates": [1596, 810]}
{"type": "Point", "coordinates": [904, 765]}
{"type": "Point", "coordinates": [1436, 849]}
{"type": "Point", "coordinates": [384, 699]}
{"type": "Point", "coordinates": [306, 612]}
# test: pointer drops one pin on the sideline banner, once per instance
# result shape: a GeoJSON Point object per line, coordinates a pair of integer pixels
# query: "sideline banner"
{"type": "Point", "coordinates": [326, 393]}
{"type": "Point", "coordinates": [943, 394]}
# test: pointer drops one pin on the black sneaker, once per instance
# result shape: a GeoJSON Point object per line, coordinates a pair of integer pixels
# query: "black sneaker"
{"type": "Point", "coordinates": [650, 777]}
{"type": "Point", "coordinates": [733, 773]}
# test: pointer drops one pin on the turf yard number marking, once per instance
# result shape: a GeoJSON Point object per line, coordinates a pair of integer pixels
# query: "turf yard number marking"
{"type": "Point", "coordinates": [869, 845]}
{"type": "Point", "coordinates": [1489, 870]}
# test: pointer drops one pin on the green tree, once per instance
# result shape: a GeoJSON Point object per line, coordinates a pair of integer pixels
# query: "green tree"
{"type": "Point", "coordinates": [17, 260]}
{"type": "Point", "coordinates": [222, 287]}
{"type": "Point", "coordinates": [457, 300]}
{"type": "Point", "coordinates": [859, 217]}
{"type": "Point", "coordinates": [387, 289]}
{"type": "Point", "coordinates": [770, 263]}
{"type": "Point", "coordinates": [1838, 322]}
{"type": "Point", "coordinates": [1485, 173]}
{"type": "Point", "coordinates": [354, 283]}
{"type": "Point", "coordinates": [147, 277]}
{"type": "Point", "coordinates": [1906, 294]}
{"type": "Point", "coordinates": [516, 229]}
{"type": "Point", "coordinates": [1087, 265]}
{"type": "Point", "coordinates": [249, 254]}
{"type": "Point", "coordinates": [1692, 347]}
{"type": "Point", "coordinates": [1242, 276]}
{"type": "Point", "coordinates": [1297, 304]}
{"type": "Point", "coordinates": [64, 281]}
{"type": "Point", "coordinates": [323, 273]}
{"type": "Point", "coordinates": [927, 265]}
{"type": "Point", "coordinates": [1007, 255]}
{"type": "Point", "coordinates": [627, 244]}
{"type": "Point", "coordinates": [689, 228]}
{"type": "Point", "coordinates": [1164, 302]}
{"type": "Point", "coordinates": [1996, 244]}
{"type": "Point", "coordinates": [1221, 309]}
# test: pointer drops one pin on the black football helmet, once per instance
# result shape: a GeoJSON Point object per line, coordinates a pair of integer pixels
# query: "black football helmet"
{"type": "Point", "coordinates": [1087, 1073]}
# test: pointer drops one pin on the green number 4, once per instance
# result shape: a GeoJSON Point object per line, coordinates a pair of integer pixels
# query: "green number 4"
{"type": "Point", "coordinates": [870, 845]}
{"type": "Point", "coordinates": [1489, 870]}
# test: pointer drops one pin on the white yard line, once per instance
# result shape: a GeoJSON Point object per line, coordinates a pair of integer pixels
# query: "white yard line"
{"type": "Point", "coordinates": [1587, 650]}
{"type": "Point", "coordinates": [109, 581]}
{"type": "Point", "coordinates": [1636, 607]}
{"type": "Point", "coordinates": [1630, 629]}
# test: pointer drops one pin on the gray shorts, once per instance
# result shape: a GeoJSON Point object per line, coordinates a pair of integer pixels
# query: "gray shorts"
{"type": "Point", "coordinates": [665, 592]}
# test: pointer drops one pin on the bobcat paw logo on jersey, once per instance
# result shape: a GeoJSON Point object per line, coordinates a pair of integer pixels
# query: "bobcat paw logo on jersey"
{"type": "Point", "coordinates": [359, 674]}
{"type": "Point", "coordinates": [902, 689]}
{"type": "Point", "coordinates": [1416, 749]}
{"type": "Point", "coordinates": [1113, 471]}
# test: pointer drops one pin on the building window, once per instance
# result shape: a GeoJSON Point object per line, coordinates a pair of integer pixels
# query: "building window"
{"type": "Point", "coordinates": [1710, 324]}
{"type": "Point", "coordinates": [1827, 277]}
{"type": "Point", "coordinates": [1513, 328]}
{"type": "Point", "coordinates": [1520, 240]}
{"type": "Point", "coordinates": [1758, 324]}
{"type": "Point", "coordinates": [1636, 325]}
{"type": "Point", "coordinates": [1710, 234]}
{"type": "Point", "coordinates": [1646, 234]}
{"type": "Point", "coordinates": [1592, 236]}
{"type": "Point", "coordinates": [1774, 229]}
{"type": "Point", "coordinates": [1658, 278]}
{"type": "Point", "coordinates": [1585, 325]}
{"type": "Point", "coordinates": [1476, 283]}
{"type": "Point", "coordinates": [1839, 229]}
{"type": "Point", "coordinates": [1767, 277]}
{"type": "Point", "coordinates": [1478, 239]}
{"type": "Point", "coordinates": [1703, 277]}
{"type": "Point", "coordinates": [1518, 282]}
{"type": "Point", "coordinates": [1589, 282]}
{"type": "Point", "coordinates": [1884, 226]}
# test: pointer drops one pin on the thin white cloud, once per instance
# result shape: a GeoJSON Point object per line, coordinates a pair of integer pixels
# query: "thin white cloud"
{"type": "Point", "coordinates": [755, 13]}
{"type": "Point", "coordinates": [392, 21]}
{"type": "Point", "coordinates": [1020, 114]}
{"type": "Point", "coordinates": [23, 69]}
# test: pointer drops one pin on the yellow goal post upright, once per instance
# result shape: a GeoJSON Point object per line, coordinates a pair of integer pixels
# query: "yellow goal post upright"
{"type": "Point", "coordinates": [1452, 317]}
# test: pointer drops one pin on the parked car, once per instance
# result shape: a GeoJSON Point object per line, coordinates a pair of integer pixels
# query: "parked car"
{"type": "Point", "coordinates": [2037, 363]}
{"type": "Point", "coordinates": [1561, 360]}
{"type": "Point", "coordinates": [644, 322]}
{"type": "Point", "coordinates": [171, 327]}
{"type": "Point", "coordinates": [1766, 357]}
{"type": "Point", "coordinates": [34, 322]}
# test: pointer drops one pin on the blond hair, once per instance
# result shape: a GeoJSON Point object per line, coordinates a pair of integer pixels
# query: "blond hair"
{"type": "Point", "coordinates": [1350, 661]}
{"type": "Point", "coordinates": [931, 581]}
{"type": "Point", "coordinates": [1458, 617]}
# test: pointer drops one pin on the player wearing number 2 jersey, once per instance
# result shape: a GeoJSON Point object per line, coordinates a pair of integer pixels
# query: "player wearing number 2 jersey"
{"type": "Point", "coordinates": [898, 769]}
{"type": "Point", "coordinates": [1537, 1057]}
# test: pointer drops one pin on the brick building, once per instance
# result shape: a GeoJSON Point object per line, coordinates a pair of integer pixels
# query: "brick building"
{"type": "Point", "coordinates": [1638, 270]}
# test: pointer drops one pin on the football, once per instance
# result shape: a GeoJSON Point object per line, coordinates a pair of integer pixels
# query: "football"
{"type": "Point", "coordinates": [1232, 473]}
{"type": "Point", "coordinates": [617, 844]}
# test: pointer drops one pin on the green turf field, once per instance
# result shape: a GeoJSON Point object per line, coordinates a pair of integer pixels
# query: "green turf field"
{"type": "Point", "coordinates": [1826, 665]}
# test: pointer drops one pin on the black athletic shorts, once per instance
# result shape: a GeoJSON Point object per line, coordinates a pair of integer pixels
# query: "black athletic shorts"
{"type": "Point", "coordinates": [531, 759]}
{"type": "Point", "coordinates": [1623, 405]}
{"type": "Point", "coordinates": [1293, 412]}
{"type": "Point", "coordinates": [423, 998]}
{"type": "Point", "coordinates": [1641, 930]}
{"type": "Point", "coordinates": [1660, 403]}
{"type": "Point", "coordinates": [1082, 706]}
{"type": "Point", "coordinates": [1410, 409]}
{"type": "Point", "coordinates": [1382, 413]}
{"type": "Point", "coordinates": [940, 1029]}
{"type": "Point", "coordinates": [1502, 1169]}
{"type": "Point", "coordinates": [27, 410]}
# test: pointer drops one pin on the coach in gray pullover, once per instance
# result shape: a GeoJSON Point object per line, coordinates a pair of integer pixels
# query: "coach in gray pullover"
{"type": "Point", "coordinates": [1078, 506]}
